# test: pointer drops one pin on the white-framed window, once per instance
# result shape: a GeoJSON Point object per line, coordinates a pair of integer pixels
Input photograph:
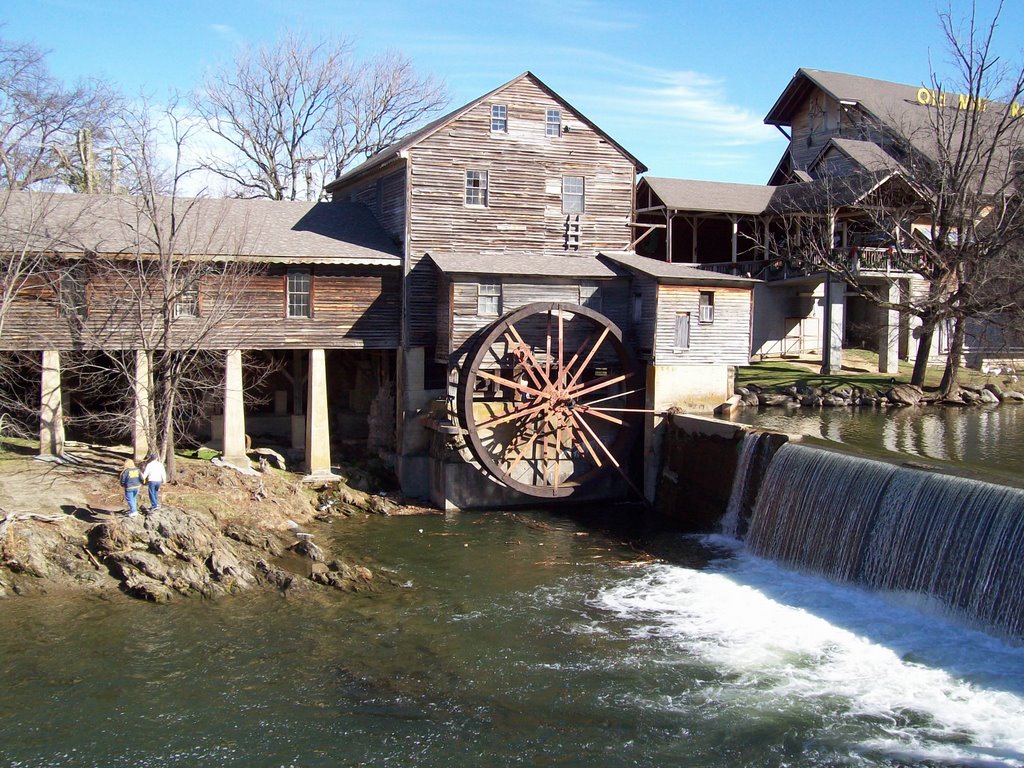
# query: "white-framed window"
{"type": "Point", "coordinates": [299, 293]}
{"type": "Point", "coordinates": [476, 188]}
{"type": "Point", "coordinates": [682, 338]}
{"type": "Point", "coordinates": [499, 118]}
{"type": "Point", "coordinates": [573, 194]}
{"type": "Point", "coordinates": [186, 304]}
{"type": "Point", "coordinates": [553, 123]}
{"type": "Point", "coordinates": [488, 299]}
{"type": "Point", "coordinates": [707, 306]}
{"type": "Point", "coordinates": [590, 296]}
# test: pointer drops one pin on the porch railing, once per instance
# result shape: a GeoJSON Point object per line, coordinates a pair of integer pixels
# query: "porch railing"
{"type": "Point", "coordinates": [869, 261]}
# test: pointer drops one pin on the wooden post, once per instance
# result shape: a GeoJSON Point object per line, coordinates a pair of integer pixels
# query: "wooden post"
{"type": "Point", "coordinates": [143, 405]}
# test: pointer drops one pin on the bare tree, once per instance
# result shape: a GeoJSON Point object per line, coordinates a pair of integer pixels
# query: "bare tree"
{"type": "Point", "coordinates": [951, 202]}
{"type": "Point", "coordinates": [41, 119]}
{"type": "Point", "coordinates": [295, 113]}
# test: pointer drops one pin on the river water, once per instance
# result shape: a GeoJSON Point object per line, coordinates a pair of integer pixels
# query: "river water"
{"type": "Point", "coordinates": [507, 639]}
{"type": "Point", "coordinates": [988, 441]}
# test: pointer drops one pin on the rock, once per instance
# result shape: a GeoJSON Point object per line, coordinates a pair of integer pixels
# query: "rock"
{"type": "Point", "coordinates": [308, 549]}
{"type": "Point", "coordinates": [832, 401]}
{"type": "Point", "coordinates": [276, 458]}
{"type": "Point", "coordinates": [995, 389]}
{"type": "Point", "coordinates": [773, 400]}
{"type": "Point", "coordinates": [810, 401]}
{"type": "Point", "coordinates": [988, 397]}
{"type": "Point", "coordinates": [1010, 395]}
{"type": "Point", "coordinates": [905, 394]}
{"type": "Point", "coordinates": [742, 391]}
{"type": "Point", "coordinates": [970, 396]}
{"type": "Point", "coordinates": [750, 399]}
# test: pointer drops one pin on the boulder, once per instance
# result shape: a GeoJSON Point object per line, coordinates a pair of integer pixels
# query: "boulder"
{"type": "Point", "coordinates": [905, 394]}
{"type": "Point", "coordinates": [1013, 396]}
{"type": "Point", "coordinates": [995, 389]}
{"type": "Point", "coordinates": [988, 397]}
{"type": "Point", "coordinates": [773, 400]}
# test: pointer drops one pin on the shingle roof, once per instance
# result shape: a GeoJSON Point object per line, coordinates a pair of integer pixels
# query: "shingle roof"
{"type": "Point", "coordinates": [679, 274]}
{"type": "Point", "coordinates": [866, 154]}
{"type": "Point", "coordinates": [394, 151]}
{"type": "Point", "coordinates": [524, 264]}
{"type": "Point", "coordinates": [716, 196]}
{"type": "Point", "coordinates": [262, 230]}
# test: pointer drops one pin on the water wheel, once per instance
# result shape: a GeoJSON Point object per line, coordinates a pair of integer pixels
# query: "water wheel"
{"type": "Point", "coordinates": [550, 397]}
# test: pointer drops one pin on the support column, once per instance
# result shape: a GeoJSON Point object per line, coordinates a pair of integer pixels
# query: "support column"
{"type": "Point", "coordinates": [234, 411]}
{"type": "Point", "coordinates": [668, 236]}
{"type": "Point", "coordinates": [835, 321]}
{"type": "Point", "coordinates": [889, 333]}
{"type": "Point", "coordinates": [318, 432]}
{"type": "Point", "coordinates": [51, 409]}
{"type": "Point", "coordinates": [142, 387]}
{"type": "Point", "coordinates": [735, 236]}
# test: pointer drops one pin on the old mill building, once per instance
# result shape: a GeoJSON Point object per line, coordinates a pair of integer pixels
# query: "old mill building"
{"type": "Point", "coordinates": [494, 302]}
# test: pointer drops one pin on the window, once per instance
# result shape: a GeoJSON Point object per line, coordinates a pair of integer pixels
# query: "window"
{"type": "Point", "coordinates": [499, 118]}
{"type": "Point", "coordinates": [682, 340]}
{"type": "Point", "coordinates": [638, 307]}
{"type": "Point", "coordinates": [488, 299]}
{"type": "Point", "coordinates": [476, 188]}
{"type": "Point", "coordinates": [187, 302]}
{"type": "Point", "coordinates": [299, 293]}
{"type": "Point", "coordinates": [573, 188]}
{"type": "Point", "coordinates": [553, 123]}
{"type": "Point", "coordinates": [590, 296]}
{"type": "Point", "coordinates": [707, 306]}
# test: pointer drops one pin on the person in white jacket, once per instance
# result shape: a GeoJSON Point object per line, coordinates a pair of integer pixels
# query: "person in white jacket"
{"type": "Point", "coordinates": [154, 475]}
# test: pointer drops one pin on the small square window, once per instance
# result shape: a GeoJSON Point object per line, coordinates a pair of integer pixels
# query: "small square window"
{"type": "Point", "coordinates": [476, 188]}
{"type": "Point", "coordinates": [299, 304]}
{"type": "Point", "coordinates": [573, 188]}
{"type": "Point", "coordinates": [707, 306]}
{"type": "Point", "coordinates": [682, 339]}
{"type": "Point", "coordinates": [488, 299]}
{"type": "Point", "coordinates": [553, 123]}
{"type": "Point", "coordinates": [187, 302]}
{"type": "Point", "coordinates": [499, 118]}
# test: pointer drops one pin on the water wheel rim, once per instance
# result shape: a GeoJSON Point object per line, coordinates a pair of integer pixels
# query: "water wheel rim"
{"type": "Point", "coordinates": [556, 411]}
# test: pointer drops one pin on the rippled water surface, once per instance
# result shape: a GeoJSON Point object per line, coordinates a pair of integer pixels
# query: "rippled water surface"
{"type": "Point", "coordinates": [989, 440]}
{"type": "Point", "coordinates": [511, 640]}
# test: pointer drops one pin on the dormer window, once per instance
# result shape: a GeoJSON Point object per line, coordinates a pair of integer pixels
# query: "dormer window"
{"type": "Point", "coordinates": [499, 118]}
{"type": "Point", "coordinates": [553, 123]}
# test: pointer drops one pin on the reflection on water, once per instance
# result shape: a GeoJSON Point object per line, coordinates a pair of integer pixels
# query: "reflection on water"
{"type": "Point", "coordinates": [510, 640]}
{"type": "Point", "coordinates": [989, 440]}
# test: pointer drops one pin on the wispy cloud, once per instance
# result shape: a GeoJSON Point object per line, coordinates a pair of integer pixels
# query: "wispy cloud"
{"type": "Point", "coordinates": [228, 33]}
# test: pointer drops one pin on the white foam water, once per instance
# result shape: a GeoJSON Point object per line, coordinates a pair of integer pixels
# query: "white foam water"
{"type": "Point", "coordinates": [890, 682]}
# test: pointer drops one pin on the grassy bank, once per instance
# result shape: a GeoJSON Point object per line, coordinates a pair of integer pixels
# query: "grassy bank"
{"type": "Point", "coordinates": [860, 369]}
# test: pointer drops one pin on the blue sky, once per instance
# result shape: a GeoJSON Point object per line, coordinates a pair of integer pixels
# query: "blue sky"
{"type": "Point", "coordinates": [684, 86]}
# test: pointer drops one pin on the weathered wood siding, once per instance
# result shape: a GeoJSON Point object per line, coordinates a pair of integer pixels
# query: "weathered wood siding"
{"type": "Point", "coordinates": [524, 208]}
{"type": "Point", "coordinates": [384, 194]}
{"type": "Point", "coordinates": [352, 309]}
{"type": "Point", "coordinates": [466, 322]}
{"type": "Point", "coordinates": [724, 341]}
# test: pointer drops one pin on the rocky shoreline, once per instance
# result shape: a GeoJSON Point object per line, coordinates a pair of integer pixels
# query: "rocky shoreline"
{"type": "Point", "coordinates": [847, 395]}
{"type": "Point", "coordinates": [217, 532]}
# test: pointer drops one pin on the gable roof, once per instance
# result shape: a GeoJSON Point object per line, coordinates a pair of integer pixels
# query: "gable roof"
{"type": "Point", "coordinates": [881, 98]}
{"type": "Point", "coordinates": [394, 151]}
{"type": "Point", "coordinates": [866, 154]}
{"type": "Point", "coordinates": [523, 265]}
{"type": "Point", "coordinates": [254, 230]}
{"type": "Point", "coordinates": [710, 196]}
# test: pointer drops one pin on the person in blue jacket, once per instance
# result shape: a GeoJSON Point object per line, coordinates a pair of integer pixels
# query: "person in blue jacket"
{"type": "Point", "coordinates": [131, 481]}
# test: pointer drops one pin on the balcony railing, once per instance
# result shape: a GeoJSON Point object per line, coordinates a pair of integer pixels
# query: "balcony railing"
{"type": "Point", "coordinates": [866, 261]}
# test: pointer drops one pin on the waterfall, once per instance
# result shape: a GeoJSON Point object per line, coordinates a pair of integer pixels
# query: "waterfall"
{"type": "Point", "coordinates": [892, 528]}
{"type": "Point", "coordinates": [729, 525]}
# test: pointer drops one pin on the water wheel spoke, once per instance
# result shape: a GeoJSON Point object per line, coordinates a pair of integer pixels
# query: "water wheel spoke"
{"type": "Point", "coordinates": [526, 360]}
{"type": "Point", "coordinates": [527, 350]}
{"type": "Point", "coordinates": [598, 412]}
{"type": "Point", "coordinates": [518, 412]}
{"type": "Point", "coordinates": [627, 393]}
{"type": "Point", "coordinates": [598, 440]}
{"type": "Point", "coordinates": [510, 383]}
{"type": "Point", "coordinates": [590, 356]}
{"type": "Point", "coordinates": [586, 443]}
{"type": "Point", "coordinates": [596, 384]}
